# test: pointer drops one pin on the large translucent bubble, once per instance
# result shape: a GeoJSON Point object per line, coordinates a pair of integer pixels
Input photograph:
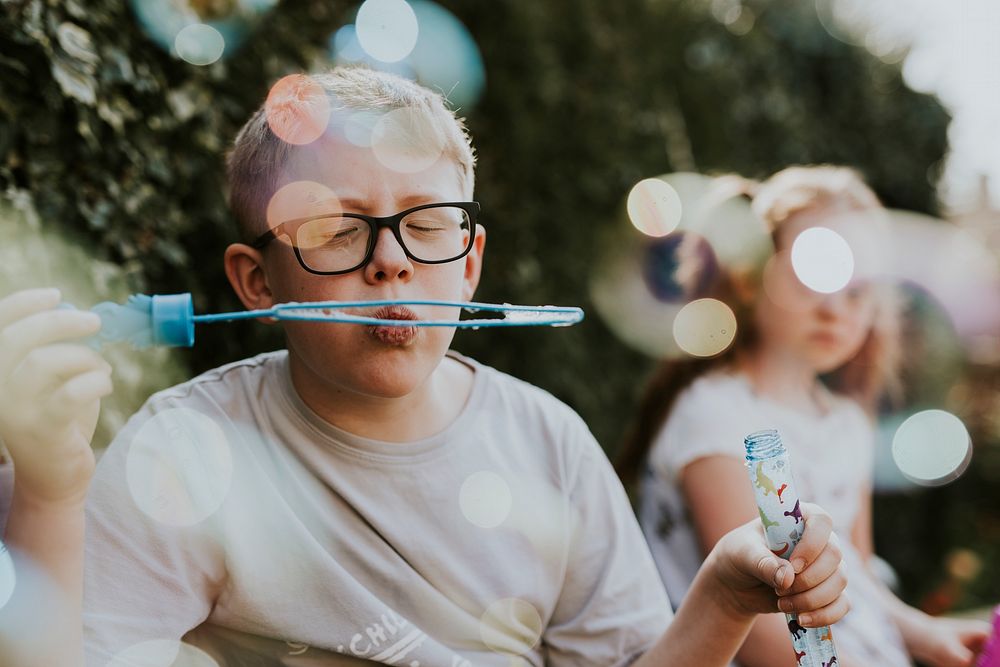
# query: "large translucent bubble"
{"type": "Point", "coordinates": [200, 32]}
{"type": "Point", "coordinates": [179, 467]}
{"type": "Point", "coordinates": [444, 56]}
{"type": "Point", "coordinates": [640, 282]}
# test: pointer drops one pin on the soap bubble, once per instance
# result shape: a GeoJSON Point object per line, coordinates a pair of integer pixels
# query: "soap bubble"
{"type": "Point", "coordinates": [511, 626]}
{"type": "Point", "coordinates": [932, 447]}
{"type": "Point", "coordinates": [406, 141]}
{"type": "Point", "coordinates": [654, 207]}
{"type": "Point", "coordinates": [199, 44]}
{"type": "Point", "coordinates": [179, 467]}
{"type": "Point", "coordinates": [705, 327]}
{"type": "Point", "coordinates": [300, 199]}
{"type": "Point", "coordinates": [387, 29]}
{"type": "Point", "coordinates": [199, 32]}
{"type": "Point", "coordinates": [297, 109]}
{"type": "Point", "coordinates": [822, 260]}
{"type": "Point", "coordinates": [444, 57]}
{"type": "Point", "coordinates": [485, 499]}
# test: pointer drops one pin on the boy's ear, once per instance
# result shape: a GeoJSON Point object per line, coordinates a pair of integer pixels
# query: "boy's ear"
{"type": "Point", "coordinates": [474, 264]}
{"type": "Point", "coordinates": [245, 270]}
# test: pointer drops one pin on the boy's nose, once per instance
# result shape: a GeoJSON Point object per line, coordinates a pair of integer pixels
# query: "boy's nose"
{"type": "Point", "coordinates": [389, 260]}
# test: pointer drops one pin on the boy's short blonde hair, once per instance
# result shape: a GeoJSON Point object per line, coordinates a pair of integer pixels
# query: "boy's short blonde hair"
{"type": "Point", "coordinates": [258, 155]}
{"type": "Point", "coordinates": [796, 189]}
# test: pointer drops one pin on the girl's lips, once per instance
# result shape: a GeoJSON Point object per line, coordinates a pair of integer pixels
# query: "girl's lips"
{"type": "Point", "coordinates": [393, 335]}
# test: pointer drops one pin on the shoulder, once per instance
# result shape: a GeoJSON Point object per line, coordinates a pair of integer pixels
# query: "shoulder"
{"type": "Point", "coordinates": [709, 418]}
{"type": "Point", "coordinates": [509, 394]}
{"type": "Point", "coordinates": [224, 382]}
{"type": "Point", "coordinates": [536, 424]}
{"type": "Point", "coordinates": [201, 408]}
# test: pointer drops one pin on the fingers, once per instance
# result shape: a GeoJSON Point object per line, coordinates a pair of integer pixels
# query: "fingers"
{"type": "Point", "coordinates": [43, 328]}
{"type": "Point", "coordinates": [827, 615]}
{"type": "Point", "coordinates": [826, 564]}
{"type": "Point", "coordinates": [78, 392]}
{"type": "Point", "coordinates": [19, 305]}
{"type": "Point", "coordinates": [817, 534]}
{"type": "Point", "coordinates": [815, 596]}
{"type": "Point", "coordinates": [44, 367]}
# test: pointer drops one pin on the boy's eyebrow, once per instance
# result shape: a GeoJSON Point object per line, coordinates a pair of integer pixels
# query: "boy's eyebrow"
{"type": "Point", "coordinates": [415, 199]}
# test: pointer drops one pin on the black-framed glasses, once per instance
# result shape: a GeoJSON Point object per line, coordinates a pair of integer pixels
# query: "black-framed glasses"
{"type": "Point", "coordinates": [334, 243]}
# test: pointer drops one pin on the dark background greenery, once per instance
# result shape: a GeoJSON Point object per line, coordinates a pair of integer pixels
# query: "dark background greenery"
{"type": "Point", "coordinates": [583, 98]}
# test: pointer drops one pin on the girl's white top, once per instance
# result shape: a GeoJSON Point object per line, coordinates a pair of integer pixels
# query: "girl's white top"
{"type": "Point", "coordinates": [832, 459]}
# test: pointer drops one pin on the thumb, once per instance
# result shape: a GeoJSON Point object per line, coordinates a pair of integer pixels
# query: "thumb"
{"type": "Point", "coordinates": [775, 572]}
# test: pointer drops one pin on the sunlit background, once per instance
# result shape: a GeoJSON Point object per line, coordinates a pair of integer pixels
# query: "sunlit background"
{"type": "Point", "coordinates": [600, 128]}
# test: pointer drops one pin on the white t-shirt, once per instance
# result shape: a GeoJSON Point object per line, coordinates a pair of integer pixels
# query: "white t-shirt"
{"type": "Point", "coordinates": [832, 459]}
{"type": "Point", "coordinates": [228, 512]}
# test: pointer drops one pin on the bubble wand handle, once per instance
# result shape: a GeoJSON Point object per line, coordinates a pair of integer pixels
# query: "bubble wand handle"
{"type": "Point", "coordinates": [770, 472]}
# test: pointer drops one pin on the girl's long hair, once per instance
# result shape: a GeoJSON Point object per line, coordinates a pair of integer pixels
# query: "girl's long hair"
{"type": "Point", "coordinates": [871, 374]}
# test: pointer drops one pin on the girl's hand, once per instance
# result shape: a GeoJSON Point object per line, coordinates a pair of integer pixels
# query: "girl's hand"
{"type": "Point", "coordinates": [755, 581]}
{"type": "Point", "coordinates": [50, 393]}
{"type": "Point", "coordinates": [945, 642]}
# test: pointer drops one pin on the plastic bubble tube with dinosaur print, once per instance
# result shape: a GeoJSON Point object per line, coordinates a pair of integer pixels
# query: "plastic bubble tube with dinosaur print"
{"type": "Point", "coordinates": [169, 319]}
{"type": "Point", "coordinates": [778, 504]}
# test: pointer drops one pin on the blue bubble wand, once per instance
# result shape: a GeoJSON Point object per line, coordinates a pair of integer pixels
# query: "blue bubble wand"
{"type": "Point", "coordinates": [169, 319]}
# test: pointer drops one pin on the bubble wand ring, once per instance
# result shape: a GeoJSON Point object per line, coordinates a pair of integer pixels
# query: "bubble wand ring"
{"type": "Point", "coordinates": [169, 319]}
{"type": "Point", "coordinates": [514, 315]}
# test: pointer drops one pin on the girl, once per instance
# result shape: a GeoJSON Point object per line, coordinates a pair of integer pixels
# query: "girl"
{"type": "Point", "coordinates": [687, 442]}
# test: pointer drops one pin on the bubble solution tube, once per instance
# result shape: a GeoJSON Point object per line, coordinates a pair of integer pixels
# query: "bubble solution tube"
{"type": "Point", "coordinates": [778, 504]}
{"type": "Point", "coordinates": [990, 657]}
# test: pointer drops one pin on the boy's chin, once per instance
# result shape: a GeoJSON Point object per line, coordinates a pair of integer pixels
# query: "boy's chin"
{"type": "Point", "coordinates": [387, 378]}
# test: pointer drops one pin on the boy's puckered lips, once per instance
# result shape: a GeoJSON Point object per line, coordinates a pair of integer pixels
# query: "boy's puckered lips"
{"type": "Point", "coordinates": [394, 335]}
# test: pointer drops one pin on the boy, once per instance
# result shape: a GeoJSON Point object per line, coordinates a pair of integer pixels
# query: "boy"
{"type": "Point", "coordinates": [365, 496]}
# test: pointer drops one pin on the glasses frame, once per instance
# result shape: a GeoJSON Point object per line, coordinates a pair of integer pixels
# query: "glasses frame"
{"type": "Point", "coordinates": [291, 227]}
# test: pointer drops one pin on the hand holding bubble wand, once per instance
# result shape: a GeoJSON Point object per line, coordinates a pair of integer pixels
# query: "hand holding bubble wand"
{"type": "Point", "coordinates": [778, 503]}
{"type": "Point", "coordinates": [169, 319]}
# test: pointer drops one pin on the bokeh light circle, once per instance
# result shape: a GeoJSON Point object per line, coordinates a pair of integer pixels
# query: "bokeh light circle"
{"type": "Point", "coordinates": [654, 207]}
{"type": "Point", "coordinates": [445, 57]}
{"type": "Point", "coordinates": [485, 499]}
{"type": "Point", "coordinates": [407, 141]}
{"type": "Point", "coordinates": [199, 44]}
{"type": "Point", "coordinates": [179, 467]}
{"type": "Point", "coordinates": [220, 26]}
{"type": "Point", "coordinates": [300, 199]}
{"type": "Point", "coordinates": [7, 575]}
{"type": "Point", "coordinates": [162, 653]}
{"type": "Point", "coordinates": [932, 447]}
{"type": "Point", "coordinates": [511, 625]}
{"type": "Point", "coordinates": [297, 109]}
{"type": "Point", "coordinates": [822, 260]}
{"type": "Point", "coordinates": [359, 126]}
{"type": "Point", "coordinates": [705, 327]}
{"type": "Point", "coordinates": [387, 29]}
